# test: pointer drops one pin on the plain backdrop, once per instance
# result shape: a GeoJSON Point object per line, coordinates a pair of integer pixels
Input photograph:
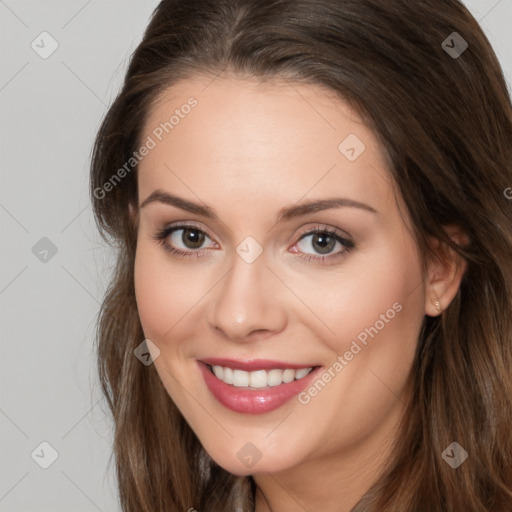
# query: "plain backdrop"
{"type": "Point", "coordinates": [54, 268]}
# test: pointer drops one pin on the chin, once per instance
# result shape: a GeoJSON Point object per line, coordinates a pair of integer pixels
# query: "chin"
{"type": "Point", "coordinates": [249, 460]}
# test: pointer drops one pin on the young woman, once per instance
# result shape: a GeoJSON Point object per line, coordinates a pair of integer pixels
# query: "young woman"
{"type": "Point", "coordinates": [312, 304]}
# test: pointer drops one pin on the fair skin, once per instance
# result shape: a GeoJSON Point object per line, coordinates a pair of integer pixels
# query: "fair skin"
{"type": "Point", "coordinates": [248, 150]}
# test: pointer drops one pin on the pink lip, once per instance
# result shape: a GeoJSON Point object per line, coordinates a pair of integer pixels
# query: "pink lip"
{"type": "Point", "coordinates": [253, 401]}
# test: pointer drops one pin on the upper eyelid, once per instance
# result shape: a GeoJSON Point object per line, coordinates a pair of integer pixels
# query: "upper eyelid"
{"type": "Point", "coordinates": [187, 224]}
{"type": "Point", "coordinates": [321, 228]}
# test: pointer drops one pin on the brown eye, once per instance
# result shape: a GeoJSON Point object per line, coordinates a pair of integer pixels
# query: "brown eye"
{"type": "Point", "coordinates": [192, 238]}
{"type": "Point", "coordinates": [322, 242]}
{"type": "Point", "coordinates": [183, 240]}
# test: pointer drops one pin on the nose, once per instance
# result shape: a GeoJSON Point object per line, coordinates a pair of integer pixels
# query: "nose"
{"type": "Point", "coordinates": [246, 304]}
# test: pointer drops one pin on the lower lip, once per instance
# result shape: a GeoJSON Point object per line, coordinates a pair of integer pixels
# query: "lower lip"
{"type": "Point", "coordinates": [253, 401]}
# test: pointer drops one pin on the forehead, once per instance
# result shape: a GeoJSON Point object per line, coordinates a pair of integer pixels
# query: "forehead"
{"type": "Point", "coordinates": [236, 140]}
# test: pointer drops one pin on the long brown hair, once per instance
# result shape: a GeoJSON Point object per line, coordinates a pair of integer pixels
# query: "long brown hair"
{"type": "Point", "coordinates": [443, 115]}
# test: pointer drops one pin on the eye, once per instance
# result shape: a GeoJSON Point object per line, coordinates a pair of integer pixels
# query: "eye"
{"type": "Point", "coordinates": [183, 240]}
{"type": "Point", "coordinates": [186, 240]}
{"type": "Point", "coordinates": [323, 241]}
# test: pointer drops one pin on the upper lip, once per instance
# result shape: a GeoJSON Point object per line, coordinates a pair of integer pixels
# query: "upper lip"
{"type": "Point", "coordinates": [249, 365]}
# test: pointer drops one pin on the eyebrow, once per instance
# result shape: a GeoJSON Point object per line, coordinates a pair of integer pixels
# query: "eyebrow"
{"type": "Point", "coordinates": [284, 214]}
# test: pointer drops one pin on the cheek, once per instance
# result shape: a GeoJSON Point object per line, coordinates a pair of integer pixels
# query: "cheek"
{"type": "Point", "coordinates": [376, 322]}
{"type": "Point", "coordinates": [151, 295]}
{"type": "Point", "coordinates": [378, 293]}
{"type": "Point", "coordinates": [163, 293]}
{"type": "Point", "coordinates": [376, 337]}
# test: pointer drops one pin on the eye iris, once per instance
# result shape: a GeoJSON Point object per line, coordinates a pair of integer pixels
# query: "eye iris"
{"type": "Point", "coordinates": [192, 238]}
{"type": "Point", "coordinates": [323, 243]}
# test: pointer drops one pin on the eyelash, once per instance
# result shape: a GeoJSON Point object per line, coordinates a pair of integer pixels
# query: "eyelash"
{"type": "Point", "coordinates": [162, 235]}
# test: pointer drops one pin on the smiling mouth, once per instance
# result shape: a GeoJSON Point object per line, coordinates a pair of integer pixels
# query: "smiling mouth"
{"type": "Point", "coordinates": [261, 386]}
{"type": "Point", "coordinates": [258, 379]}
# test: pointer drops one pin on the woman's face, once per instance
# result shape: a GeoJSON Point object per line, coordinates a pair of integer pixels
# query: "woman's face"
{"type": "Point", "coordinates": [256, 292]}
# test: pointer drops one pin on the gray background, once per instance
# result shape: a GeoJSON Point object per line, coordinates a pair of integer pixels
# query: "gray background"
{"type": "Point", "coordinates": [50, 110]}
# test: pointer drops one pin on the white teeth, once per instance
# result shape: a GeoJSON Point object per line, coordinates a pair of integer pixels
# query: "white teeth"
{"type": "Point", "coordinates": [259, 378]}
{"type": "Point", "coordinates": [301, 373]}
{"type": "Point", "coordinates": [240, 379]}
{"type": "Point", "coordinates": [288, 376]}
{"type": "Point", "coordinates": [228, 376]}
{"type": "Point", "coordinates": [275, 377]}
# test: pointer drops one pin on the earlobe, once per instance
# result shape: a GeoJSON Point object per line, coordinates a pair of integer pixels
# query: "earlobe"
{"type": "Point", "coordinates": [436, 301]}
{"type": "Point", "coordinates": [445, 272]}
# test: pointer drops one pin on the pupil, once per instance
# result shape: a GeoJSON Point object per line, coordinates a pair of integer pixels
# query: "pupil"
{"type": "Point", "coordinates": [192, 238]}
{"type": "Point", "coordinates": [325, 243]}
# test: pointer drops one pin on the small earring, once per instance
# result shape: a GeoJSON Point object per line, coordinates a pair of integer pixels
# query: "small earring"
{"type": "Point", "coordinates": [436, 302]}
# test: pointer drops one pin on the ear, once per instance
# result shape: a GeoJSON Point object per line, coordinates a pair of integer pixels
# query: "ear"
{"type": "Point", "coordinates": [445, 272]}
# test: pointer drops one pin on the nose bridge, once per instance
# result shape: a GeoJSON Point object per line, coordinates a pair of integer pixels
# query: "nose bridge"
{"type": "Point", "coordinates": [246, 299]}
